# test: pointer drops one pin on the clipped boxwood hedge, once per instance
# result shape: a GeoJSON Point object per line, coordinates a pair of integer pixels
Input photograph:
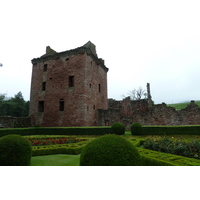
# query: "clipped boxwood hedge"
{"type": "Point", "coordinates": [118, 128]}
{"type": "Point", "coordinates": [136, 129]}
{"type": "Point", "coordinates": [110, 150]}
{"type": "Point", "coordinates": [15, 150]}
{"type": "Point", "coordinates": [155, 158]}
{"type": "Point", "coordinates": [73, 149]}
{"type": "Point", "coordinates": [171, 130]}
{"type": "Point", "coordinates": [57, 131]}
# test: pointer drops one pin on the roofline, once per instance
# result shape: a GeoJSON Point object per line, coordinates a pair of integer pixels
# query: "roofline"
{"type": "Point", "coordinates": [78, 50]}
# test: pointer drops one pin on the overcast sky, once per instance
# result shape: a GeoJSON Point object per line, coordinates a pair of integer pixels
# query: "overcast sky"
{"type": "Point", "coordinates": [141, 41]}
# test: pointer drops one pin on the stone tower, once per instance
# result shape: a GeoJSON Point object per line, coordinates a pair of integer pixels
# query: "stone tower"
{"type": "Point", "coordinates": [68, 88]}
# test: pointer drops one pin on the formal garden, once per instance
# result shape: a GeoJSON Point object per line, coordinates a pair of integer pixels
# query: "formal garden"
{"type": "Point", "coordinates": [101, 146]}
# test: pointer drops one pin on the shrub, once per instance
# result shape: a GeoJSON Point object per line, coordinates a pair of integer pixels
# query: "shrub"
{"type": "Point", "coordinates": [136, 129]}
{"type": "Point", "coordinates": [57, 131]}
{"type": "Point", "coordinates": [72, 149]}
{"type": "Point", "coordinates": [118, 128]}
{"type": "Point", "coordinates": [15, 150]}
{"type": "Point", "coordinates": [110, 150]}
{"type": "Point", "coordinates": [183, 148]}
{"type": "Point", "coordinates": [171, 130]}
{"type": "Point", "coordinates": [155, 158]}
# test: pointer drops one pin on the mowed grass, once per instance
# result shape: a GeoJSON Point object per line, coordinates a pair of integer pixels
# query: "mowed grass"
{"type": "Point", "coordinates": [56, 160]}
{"type": "Point", "coordinates": [73, 160]}
{"type": "Point", "coordinates": [180, 106]}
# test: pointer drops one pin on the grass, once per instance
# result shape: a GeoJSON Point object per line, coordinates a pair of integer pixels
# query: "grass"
{"type": "Point", "coordinates": [180, 106]}
{"type": "Point", "coordinates": [73, 160]}
{"type": "Point", "coordinates": [56, 160]}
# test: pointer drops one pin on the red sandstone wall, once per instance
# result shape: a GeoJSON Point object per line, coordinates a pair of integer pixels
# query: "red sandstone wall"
{"type": "Point", "coordinates": [81, 102]}
{"type": "Point", "coordinates": [96, 90]}
{"type": "Point", "coordinates": [159, 114]}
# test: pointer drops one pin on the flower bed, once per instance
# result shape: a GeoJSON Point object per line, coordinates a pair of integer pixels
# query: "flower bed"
{"type": "Point", "coordinates": [189, 149]}
{"type": "Point", "coordinates": [53, 141]}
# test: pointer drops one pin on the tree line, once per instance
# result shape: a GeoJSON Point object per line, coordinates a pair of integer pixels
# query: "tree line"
{"type": "Point", "coordinates": [15, 106]}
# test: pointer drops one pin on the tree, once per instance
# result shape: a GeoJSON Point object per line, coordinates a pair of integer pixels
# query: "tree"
{"type": "Point", "coordinates": [15, 106]}
{"type": "Point", "coordinates": [137, 94]}
{"type": "Point", "coordinates": [2, 97]}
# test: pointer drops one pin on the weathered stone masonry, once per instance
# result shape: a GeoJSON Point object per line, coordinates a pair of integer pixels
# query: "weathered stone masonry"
{"type": "Point", "coordinates": [68, 88]}
{"type": "Point", "coordinates": [14, 122]}
{"type": "Point", "coordinates": [128, 112]}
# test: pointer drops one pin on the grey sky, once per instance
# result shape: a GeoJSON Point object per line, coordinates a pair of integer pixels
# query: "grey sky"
{"type": "Point", "coordinates": [141, 41]}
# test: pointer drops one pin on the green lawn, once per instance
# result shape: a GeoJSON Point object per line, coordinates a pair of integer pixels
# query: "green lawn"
{"type": "Point", "coordinates": [73, 160]}
{"type": "Point", "coordinates": [180, 106]}
{"type": "Point", "coordinates": [56, 160]}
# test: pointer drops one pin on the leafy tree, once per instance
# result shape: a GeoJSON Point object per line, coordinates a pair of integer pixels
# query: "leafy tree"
{"type": "Point", "coordinates": [15, 106]}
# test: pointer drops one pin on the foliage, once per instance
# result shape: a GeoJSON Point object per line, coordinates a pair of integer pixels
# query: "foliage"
{"type": "Point", "coordinates": [72, 148]}
{"type": "Point", "coordinates": [15, 106]}
{"type": "Point", "coordinates": [51, 141]}
{"type": "Point", "coordinates": [170, 145]}
{"type": "Point", "coordinates": [57, 131]}
{"type": "Point", "coordinates": [155, 158]}
{"type": "Point", "coordinates": [171, 130]}
{"type": "Point", "coordinates": [136, 128]}
{"type": "Point", "coordinates": [15, 150]}
{"type": "Point", "coordinates": [110, 150]}
{"type": "Point", "coordinates": [118, 128]}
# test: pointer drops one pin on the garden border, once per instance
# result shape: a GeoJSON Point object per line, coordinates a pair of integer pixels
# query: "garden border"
{"type": "Point", "coordinates": [57, 131]}
{"type": "Point", "coordinates": [170, 130]}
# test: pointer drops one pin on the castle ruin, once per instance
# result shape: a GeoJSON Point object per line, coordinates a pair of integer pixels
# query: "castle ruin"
{"type": "Point", "coordinates": [70, 89]}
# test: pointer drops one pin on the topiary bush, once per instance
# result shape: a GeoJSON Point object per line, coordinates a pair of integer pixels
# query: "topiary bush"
{"type": "Point", "coordinates": [110, 150]}
{"type": "Point", "coordinates": [15, 150]}
{"type": "Point", "coordinates": [118, 128]}
{"type": "Point", "coordinates": [136, 129]}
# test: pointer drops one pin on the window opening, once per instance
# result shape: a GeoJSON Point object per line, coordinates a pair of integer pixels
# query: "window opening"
{"type": "Point", "coordinates": [71, 81]}
{"type": "Point", "coordinates": [61, 105]}
{"type": "Point", "coordinates": [93, 107]}
{"type": "Point", "coordinates": [99, 88]}
{"type": "Point", "coordinates": [45, 68]}
{"type": "Point", "coordinates": [43, 86]}
{"type": "Point", "coordinates": [41, 106]}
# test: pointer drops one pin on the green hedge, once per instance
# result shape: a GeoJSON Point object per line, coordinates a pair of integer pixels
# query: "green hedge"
{"type": "Point", "coordinates": [136, 129]}
{"type": "Point", "coordinates": [110, 150]}
{"type": "Point", "coordinates": [57, 131]}
{"type": "Point", "coordinates": [15, 150]}
{"type": "Point", "coordinates": [155, 158]}
{"type": "Point", "coordinates": [171, 130]}
{"type": "Point", "coordinates": [118, 128]}
{"type": "Point", "coordinates": [73, 149]}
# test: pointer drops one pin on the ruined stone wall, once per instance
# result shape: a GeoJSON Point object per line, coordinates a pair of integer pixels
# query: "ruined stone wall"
{"type": "Point", "coordinates": [128, 112]}
{"type": "Point", "coordinates": [15, 122]}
